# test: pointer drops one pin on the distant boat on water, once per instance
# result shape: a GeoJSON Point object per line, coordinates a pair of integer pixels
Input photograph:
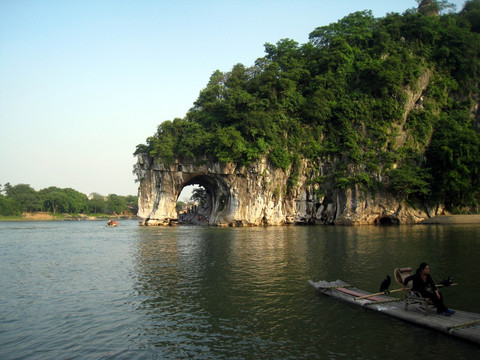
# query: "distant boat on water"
{"type": "Point", "coordinates": [112, 223]}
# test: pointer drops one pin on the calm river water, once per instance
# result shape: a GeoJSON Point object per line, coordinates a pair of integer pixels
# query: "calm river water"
{"type": "Point", "coordinates": [80, 290]}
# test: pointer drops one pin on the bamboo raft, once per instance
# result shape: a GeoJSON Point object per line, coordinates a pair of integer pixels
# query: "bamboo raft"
{"type": "Point", "coordinates": [463, 324]}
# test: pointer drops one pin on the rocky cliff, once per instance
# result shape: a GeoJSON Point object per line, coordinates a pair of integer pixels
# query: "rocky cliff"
{"type": "Point", "coordinates": [258, 194]}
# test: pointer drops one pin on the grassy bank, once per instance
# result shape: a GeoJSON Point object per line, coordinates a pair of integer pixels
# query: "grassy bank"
{"type": "Point", "coordinates": [47, 216]}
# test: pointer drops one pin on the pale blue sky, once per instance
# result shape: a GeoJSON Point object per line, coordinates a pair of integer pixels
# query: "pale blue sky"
{"type": "Point", "coordinates": [83, 82]}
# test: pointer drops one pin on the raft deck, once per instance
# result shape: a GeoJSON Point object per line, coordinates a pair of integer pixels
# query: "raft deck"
{"type": "Point", "coordinates": [462, 324]}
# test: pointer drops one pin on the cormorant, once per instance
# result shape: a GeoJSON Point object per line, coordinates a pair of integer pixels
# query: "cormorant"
{"type": "Point", "coordinates": [385, 285]}
{"type": "Point", "coordinates": [447, 282]}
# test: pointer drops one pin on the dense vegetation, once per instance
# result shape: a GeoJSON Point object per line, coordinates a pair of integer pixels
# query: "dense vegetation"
{"type": "Point", "coordinates": [16, 199]}
{"type": "Point", "coordinates": [343, 95]}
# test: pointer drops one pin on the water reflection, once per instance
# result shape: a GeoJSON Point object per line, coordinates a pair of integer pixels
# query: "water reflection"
{"type": "Point", "coordinates": [83, 290]}
{"type": "Point", "coordinates": [215, 292]}
{"type": "Point", "coordinates": [212, 288]}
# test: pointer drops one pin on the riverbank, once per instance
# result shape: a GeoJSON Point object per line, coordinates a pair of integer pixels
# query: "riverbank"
{"type": "Point", "coordinates": [453, 219]}
{"type": "Point", "coordinates": [46, 216]}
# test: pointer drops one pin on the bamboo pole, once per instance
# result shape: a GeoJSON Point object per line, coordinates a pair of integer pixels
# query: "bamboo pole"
{"type": "Point", "coordinates": [396, 290]}
{"type": "Point", "coordinates": [376, 294]}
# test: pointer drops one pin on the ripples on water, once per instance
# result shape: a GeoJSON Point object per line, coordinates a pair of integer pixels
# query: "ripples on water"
{"type": "Point", "coordinates": [82, 290]}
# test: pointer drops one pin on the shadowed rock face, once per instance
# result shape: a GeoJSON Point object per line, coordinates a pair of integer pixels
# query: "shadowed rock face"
{"type": "Point", "coordinates": [258, 194]}
{"type": "Point", "coordinates": [426, 7]}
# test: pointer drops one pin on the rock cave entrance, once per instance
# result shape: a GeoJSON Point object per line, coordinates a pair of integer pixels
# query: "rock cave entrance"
{"type": "Point", "coordinates": [207, 200]}
{"type": "Point", "coordinates": [386, 220]}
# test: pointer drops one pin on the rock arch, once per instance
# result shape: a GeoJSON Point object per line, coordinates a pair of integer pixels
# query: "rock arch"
{"type": "Point", "coordinates": [259, 194]}
{"type": "Point", "coordinates": [161, 185]}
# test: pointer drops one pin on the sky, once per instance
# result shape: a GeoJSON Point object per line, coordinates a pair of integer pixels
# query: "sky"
{"type": "Point", "coordinates": [83, 82]}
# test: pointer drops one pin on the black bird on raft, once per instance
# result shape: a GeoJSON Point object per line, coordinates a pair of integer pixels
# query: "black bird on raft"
{"type": "Point", "coordinates": [447, 282]}
{"type": "Point", "coordinates": [385, 285]}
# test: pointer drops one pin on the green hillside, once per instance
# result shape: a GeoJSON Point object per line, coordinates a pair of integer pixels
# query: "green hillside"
{"type": "Point", "coordinates": [395, 98]}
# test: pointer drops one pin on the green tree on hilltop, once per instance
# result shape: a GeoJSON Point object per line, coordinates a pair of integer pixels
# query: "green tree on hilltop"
{"type": "Point", "coordinates": [345, 97]}
{"type": "Point", "coordinates": [434, 7]}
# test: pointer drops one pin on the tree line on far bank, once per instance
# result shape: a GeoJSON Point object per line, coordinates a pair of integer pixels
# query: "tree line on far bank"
{"type": "Point", "coordinates": [20, 198]}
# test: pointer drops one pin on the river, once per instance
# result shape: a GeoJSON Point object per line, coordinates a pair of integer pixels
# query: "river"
{"type": "Point", "coordinates": [81, 290]}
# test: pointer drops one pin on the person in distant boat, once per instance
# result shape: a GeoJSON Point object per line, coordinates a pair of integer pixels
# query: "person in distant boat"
{"type": "Point", "coordinates": [424, 284]}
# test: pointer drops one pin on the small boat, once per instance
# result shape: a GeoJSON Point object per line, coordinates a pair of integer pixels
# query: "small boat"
{"type": "Point", "coordinates": [112, 223]}
{"type": "Point", "coordinates": [462, 324]}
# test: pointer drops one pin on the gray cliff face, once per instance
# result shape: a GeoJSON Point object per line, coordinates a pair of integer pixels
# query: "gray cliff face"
{"type": "Point", "coordinates": [258, 194]}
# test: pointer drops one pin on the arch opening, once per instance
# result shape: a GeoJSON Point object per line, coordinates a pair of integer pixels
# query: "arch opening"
{"type": "Point", "coordinates": [208, 199]}
{"type": "Point", "coordinates": [187, 192]}
{"type": "Point", "coordinates": [192, 205]}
